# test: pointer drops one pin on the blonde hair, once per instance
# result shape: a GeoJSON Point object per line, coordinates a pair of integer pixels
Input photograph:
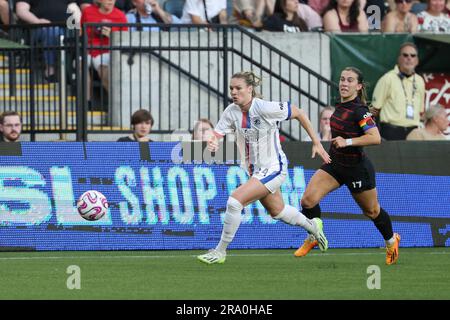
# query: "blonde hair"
{"type": "Point", "coordinates": [327, 108]}
{"type": "Point", "coordinates": [431, 112]}
{"type": "Point", "coordinates": [250, 78]}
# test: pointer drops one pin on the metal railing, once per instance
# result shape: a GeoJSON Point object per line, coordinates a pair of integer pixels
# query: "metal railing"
{"type": "Point", "coordinates": [38, 79]}
{"type": "Point", "coordinates": [180, 74]}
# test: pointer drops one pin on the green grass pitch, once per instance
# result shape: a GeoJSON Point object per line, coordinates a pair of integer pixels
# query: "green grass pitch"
{"type": "Point", "coordinates": [421, 273]}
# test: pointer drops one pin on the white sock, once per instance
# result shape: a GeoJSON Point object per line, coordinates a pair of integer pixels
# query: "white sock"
{"type": "Point", "coordinates": [292, 216]}
{"type": "Point", "coordinates": [230, 224]}
{"type": "Point", "coordinates": [390, 242]}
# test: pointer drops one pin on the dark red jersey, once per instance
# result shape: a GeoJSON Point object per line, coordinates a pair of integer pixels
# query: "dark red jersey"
{"type": "Point", "coordinates": [350, 120]}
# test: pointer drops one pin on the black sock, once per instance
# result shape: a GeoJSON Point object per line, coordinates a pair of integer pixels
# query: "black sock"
{"type": "Point", "coordinates": [313, 212]}
{"type": "Point", "coordinates": [384, 224]}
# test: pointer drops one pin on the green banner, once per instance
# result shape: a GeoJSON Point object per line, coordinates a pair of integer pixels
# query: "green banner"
{"type": "Point", "coordinates": [434, 52]}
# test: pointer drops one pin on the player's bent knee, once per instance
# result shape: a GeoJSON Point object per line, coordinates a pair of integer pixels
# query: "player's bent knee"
{"type": "Point", "coordinates": [372, 213]}
{"type": "Point", "coordinates": [234, 204]}
{"type": "Point", "coordinates": [308, 201]}
{"type": "Point", "coordinates": [275, 211]}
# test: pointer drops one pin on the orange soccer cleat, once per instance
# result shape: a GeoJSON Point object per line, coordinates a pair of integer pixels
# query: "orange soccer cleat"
{"type": "Point", "coordinates": [307, 246]}
{"type": "Point", "coordinates": [392, 251]}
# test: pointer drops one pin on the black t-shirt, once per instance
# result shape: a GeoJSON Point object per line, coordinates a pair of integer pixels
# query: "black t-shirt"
{"type": "Point", "coordinates": [53, 10]}
{"type": "Point", "coordinates": [350, 120]}
{"type": "Point", "coordinates": [276, 22]}
{"type": "Point", "coordinates": [128, 139]}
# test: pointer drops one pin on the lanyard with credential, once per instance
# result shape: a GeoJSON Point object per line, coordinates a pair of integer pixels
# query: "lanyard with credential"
{"type": "Point", "coordinates": [413, 91]}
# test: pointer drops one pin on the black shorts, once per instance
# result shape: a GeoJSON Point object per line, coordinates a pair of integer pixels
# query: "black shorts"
{"type": "Point", "coordinates": [358, 178]}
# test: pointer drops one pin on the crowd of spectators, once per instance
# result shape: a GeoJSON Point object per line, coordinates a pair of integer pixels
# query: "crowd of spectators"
{"type": "Point", "coordinates": [398, 96]}
{"type": "Point", "coordinates": [271, 15]}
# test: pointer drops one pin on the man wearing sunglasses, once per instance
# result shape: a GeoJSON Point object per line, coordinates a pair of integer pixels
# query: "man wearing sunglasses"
{"type": "Point", "coordinates": [399, 96]}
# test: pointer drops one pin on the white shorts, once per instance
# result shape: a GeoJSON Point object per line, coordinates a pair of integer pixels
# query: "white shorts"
{"type": "Point", "coordinates": [100, 60]}
{"type": "Point", "coordinates": [272, 179]}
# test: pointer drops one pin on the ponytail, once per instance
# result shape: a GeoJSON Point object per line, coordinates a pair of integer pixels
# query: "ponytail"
{"type": "Point", "coordinates": [250, 79]}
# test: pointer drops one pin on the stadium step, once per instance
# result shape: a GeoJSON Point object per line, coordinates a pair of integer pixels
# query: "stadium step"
{"type": "Point", "coordinates": [38, 98]}
{"type": "Point", "coordinates": [50, 120]}
{"type": "Point", "coordinates": [41, 86]}
{"type": "Point", "coordinates": [5, 70]}
{"type": "Point", "coordinates": [96, 127]}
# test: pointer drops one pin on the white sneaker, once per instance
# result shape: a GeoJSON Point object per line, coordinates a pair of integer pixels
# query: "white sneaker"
{"type": "Point", "coordinates": [319, 235]}
{"type": "Point", "coordinates": [213, 256]}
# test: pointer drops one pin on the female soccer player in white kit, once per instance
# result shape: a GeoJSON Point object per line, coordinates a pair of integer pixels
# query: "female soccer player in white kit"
{"type": "Point", "coordinates": [255, 122]}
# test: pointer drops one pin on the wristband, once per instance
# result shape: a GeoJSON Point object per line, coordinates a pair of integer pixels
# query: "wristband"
{"type": "Point", "coordinates": [348, 142]}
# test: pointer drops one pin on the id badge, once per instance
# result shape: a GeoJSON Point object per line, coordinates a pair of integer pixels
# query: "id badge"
{"type": "Point", "coordinates": [409, 111]}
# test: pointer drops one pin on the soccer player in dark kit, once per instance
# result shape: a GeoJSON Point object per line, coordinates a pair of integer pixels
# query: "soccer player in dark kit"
{"type": "Point", "coordinates": [352, 127]}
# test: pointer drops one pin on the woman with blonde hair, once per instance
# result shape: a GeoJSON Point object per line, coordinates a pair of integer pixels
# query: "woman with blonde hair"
{"type": "Point", "coordinates": [436, 123]}
{"type": "Point", "coordinates": [255, 122]}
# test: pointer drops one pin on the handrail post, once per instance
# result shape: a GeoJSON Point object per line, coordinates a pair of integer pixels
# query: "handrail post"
{"type": "Point", "coordinates": [225, 67]}
{"type": "Point", "coordinates": [63, 93]}
{"type": "Point", "coordinates": [81, 86]}
{"type": "Point", "coordinates": [32, 102]}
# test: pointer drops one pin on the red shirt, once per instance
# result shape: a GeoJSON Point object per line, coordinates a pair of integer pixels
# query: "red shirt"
{"type": "Point", "coordinates": [92, 14]}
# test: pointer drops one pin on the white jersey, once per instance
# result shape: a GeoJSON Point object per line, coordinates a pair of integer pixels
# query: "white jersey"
{"type": "Point", "coordinates": [257, 134]}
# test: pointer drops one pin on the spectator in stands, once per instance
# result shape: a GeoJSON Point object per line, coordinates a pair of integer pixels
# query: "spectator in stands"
{"type": "Point", "coordinates": [435, 18]}
{"type": "Point", "coordinates": [401, 19]}
{"type": "Point", "coordinates": [319, 5]}
{"type": "Point", "coordinates": [416, 6]}
{"type": "Point", "coordinates": [149, 11]}
{"type": "Point", "coordinates": [45, 12]}
{"type": "Point", "coordinates": [345, 16]}
{"type": "Point", "coordinates": [285, 18]}
{"type": "Point", "coordinates": [141, 123]}
{"type": "Point", "coordinates": [123, 5]}
{"type": "Point", "coordinates": [325, 129]}
{"type": "Point", "coordinates": [10, 126]}
{"type": "Point", "coordinates": [203, 129]}
{"type": "Point", "coordinates": [436, 123]}
{"type": "Point", "coordinates": [194, 11]}
{"type": "Point", "coordinates": [251, 13]}
{"type": "Point", "coordinates": [324, 124]}
{"type": "Point", "coordinates": [99, 36]}
{"type": "Point", "coordinates": [311, 17]}
{"type": "Point", "coordinates": [4, 12]}
{"type": "Point", "coordinates": [399, 96]}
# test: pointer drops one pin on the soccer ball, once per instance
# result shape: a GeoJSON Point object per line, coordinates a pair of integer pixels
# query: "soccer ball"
{"type": "Point", "coordinates": [92, 205]}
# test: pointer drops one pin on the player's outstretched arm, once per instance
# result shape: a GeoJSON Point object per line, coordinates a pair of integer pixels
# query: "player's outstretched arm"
{"type": "Point", "coordinates": [301, 116]}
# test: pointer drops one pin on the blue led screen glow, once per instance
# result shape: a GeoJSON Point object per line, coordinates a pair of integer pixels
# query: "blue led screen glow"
{"type": "Point", "coordinates": [161, 205]}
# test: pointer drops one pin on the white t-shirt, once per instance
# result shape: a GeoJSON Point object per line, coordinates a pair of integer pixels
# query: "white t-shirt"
{"type": "Point", "coordinates": [428, 22]}
{"type": "Point", "coordinates": [196, 8]}
{"type": "Point", "coordinates": [257, 134]}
